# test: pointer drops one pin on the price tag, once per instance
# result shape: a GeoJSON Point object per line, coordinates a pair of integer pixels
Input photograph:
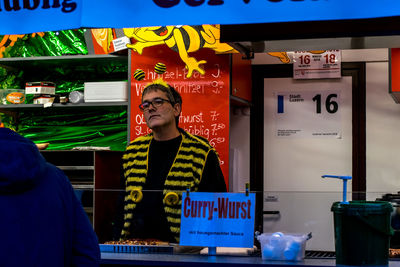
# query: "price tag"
{"type": "Point", "coordinates": [317, 64]}
{"type": "Point", "coordinates": [120, 43]}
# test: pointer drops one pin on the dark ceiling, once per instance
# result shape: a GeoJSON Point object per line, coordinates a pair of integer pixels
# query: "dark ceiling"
{"type": "Point", "coordinates": [313, 35]}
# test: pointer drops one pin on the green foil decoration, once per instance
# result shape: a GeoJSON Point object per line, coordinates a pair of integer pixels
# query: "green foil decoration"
{"type": "Point", "coordinates": [65, 87]}
{"type": "Point", "coordinates": [11, 79]}
{"type": "Point", "coordinates": [8, 121]}
{"type": "Point", "coordinates": [66, 42]}
{"type": "Point", "coordinates": [61, 138]}
{"type": "Point", "coordinates": [76, 127]}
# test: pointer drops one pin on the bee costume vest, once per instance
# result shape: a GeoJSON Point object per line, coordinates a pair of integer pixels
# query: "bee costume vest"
{"type": "Point", "coordinates": [185, 172]}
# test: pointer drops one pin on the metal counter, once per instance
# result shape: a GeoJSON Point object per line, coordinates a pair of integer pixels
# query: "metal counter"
{"type": "Point", "coordinates": [132, 259]}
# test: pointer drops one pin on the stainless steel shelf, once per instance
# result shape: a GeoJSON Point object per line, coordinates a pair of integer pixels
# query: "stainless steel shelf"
{"type": "Point", "coordinates": [83, 186]}
{"type": "Point", "coordinates": [76, 168]}
{"type": "Point", "coordinates": [67, 105]}
{"type": "Point", "coordinates": [88, 210]}
{"type": "Point", "coordinates": [27, 62]}
{"type": "Point", "coordinates": [237, 101]}
{"type": "Point", "coordinates": [69, 68]}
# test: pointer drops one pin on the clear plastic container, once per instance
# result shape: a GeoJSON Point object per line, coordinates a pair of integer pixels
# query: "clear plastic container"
{"type": "Point", "coordinates": [284, 247]}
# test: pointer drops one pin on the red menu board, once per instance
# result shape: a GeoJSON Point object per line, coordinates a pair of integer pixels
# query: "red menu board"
{"type": "Point", "coordinates": [205, 107]}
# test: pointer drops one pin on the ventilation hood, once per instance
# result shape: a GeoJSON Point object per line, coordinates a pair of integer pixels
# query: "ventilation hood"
{"type": "Point", "coordinates": [313, 35]}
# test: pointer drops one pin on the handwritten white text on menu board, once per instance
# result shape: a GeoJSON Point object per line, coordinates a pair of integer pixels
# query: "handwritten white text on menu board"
{"type": "Point", "coordinates": [203, 119]}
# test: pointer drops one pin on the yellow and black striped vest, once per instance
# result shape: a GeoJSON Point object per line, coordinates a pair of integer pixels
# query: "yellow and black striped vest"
{"type": "Point", "coordinates": [185, 172]}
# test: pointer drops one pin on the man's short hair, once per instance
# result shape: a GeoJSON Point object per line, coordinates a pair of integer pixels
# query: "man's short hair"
{"type": "Point", "coordinates": [173, 96]}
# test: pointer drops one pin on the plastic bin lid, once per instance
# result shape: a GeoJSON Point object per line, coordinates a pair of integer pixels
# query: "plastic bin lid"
{"type": "Point", "coordinates": [370, 207]}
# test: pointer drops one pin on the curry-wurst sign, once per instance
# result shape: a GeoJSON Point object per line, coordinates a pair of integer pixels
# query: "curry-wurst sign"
{"type": "Point", "coordinates": [217, 219]}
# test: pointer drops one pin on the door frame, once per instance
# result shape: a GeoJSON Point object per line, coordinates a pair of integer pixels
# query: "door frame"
{"type": "Point", "coordinates": [357, 70]}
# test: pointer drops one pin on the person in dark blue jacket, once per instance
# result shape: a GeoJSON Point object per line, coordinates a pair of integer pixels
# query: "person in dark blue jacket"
{"type": "Point", "coordinates": [42, 223]}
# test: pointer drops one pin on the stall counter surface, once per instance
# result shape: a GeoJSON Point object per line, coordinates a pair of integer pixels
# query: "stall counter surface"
{"type": "Point", "coordinates": [136, 259]}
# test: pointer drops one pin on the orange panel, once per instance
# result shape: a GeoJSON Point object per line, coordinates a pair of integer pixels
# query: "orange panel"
{"type": "Point", "coordinates": [395, 69]}
{"type": "Point", "coordinates": [103, 44]}
{"type": "Point", "coordinates": [241, 77]}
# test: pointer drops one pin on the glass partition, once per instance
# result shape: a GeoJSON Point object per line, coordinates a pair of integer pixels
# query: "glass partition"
{"type": "Point", "coordinates": [294, 212]}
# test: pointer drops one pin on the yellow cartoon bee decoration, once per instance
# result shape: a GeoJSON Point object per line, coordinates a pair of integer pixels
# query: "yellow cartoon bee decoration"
{"type": "Point", "coordinates": [183, 39]}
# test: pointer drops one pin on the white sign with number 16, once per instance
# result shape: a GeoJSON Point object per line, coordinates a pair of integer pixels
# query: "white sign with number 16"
{"type": "Point", "coordinates": [308, 114]}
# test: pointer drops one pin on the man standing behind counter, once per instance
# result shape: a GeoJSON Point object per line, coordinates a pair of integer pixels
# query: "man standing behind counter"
{"type": "Point", "coordinates": [159, 166]}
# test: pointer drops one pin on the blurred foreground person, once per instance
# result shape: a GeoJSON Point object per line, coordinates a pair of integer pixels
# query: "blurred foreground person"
{"type": "Point", "coordinates": [42, 222]}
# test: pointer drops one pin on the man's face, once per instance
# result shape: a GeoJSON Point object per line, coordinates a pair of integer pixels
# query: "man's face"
{"type": "Point", "coordinates": [162, 116]}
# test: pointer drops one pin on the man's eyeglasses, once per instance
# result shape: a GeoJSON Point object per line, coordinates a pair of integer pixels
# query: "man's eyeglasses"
{"type": "Point", "coordinates": [156, 102]}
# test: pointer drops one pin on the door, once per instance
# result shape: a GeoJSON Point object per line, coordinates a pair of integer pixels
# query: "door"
{"type": "Point", "coordinates": [295, 198]}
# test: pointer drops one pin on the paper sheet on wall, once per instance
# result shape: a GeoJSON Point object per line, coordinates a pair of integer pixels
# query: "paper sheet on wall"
{"type": "Point", "coordinates": [308, 114]}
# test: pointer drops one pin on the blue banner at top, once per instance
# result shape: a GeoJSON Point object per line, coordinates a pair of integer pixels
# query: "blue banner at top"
{"type": "Point", "coordinates": [27, 16]}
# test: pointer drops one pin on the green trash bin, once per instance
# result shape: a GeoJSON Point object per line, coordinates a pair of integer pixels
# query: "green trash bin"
{"type": "Point", "coordinates": [362, 232]}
